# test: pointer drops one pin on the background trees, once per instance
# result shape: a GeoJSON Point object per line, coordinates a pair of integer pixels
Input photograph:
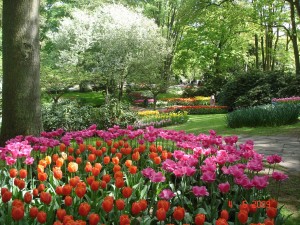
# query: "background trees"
{"type": "Point", "coordinates": [109, 44]}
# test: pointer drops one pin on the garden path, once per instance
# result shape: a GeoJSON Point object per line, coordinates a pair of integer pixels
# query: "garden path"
{"type": "Point", "coordinates": [286, 146]}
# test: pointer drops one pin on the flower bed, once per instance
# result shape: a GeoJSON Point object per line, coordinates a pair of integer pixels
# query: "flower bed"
{"type": "Point", "coordinates": [200, 109]}
{"type": "Point", "coordinates": [295, 100]}
{"type": "Point", "coordinates": [198, 100]}
{"type": "Point", "coordinates": [123, 176]}
{"type": "Point", "coordinates": [160, 119]}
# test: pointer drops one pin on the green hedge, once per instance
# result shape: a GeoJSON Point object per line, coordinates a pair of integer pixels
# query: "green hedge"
{"type": "Point", "coordinates": [268, 115]}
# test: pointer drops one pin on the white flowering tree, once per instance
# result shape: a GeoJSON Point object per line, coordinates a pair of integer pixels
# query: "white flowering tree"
{"type": "Point", "coordinates": [112, 43]}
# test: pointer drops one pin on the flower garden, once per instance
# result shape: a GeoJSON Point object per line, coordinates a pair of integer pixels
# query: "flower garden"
{"type": "Point", "coordinates": [143, 176]}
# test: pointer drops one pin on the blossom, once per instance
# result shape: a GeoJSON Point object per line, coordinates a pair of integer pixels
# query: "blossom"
{"type": "Point", "coordinates": [147, 172]}
{"type": "Point", "coordinates": [279, 176]}
{"type": "Point", "coordinates": [272, 159]}
{"type": "Point", "coordinates": [260, 182]}
{"type": "Point", "coordinates": [166, 194]}
{"type": "Point", "coordinates": [179, 213]}
{"type": "Point", "coordinates": [224, 187]}
{"type": "Point", "coordinates": [208, 176]}
{"type": "Point", "coordinates": [157, 177]}
{"type": "Point", "coordinates": [200, 191]}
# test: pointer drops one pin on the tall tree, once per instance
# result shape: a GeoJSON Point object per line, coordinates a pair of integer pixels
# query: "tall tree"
{"type": "Point", "coordinates": [21, 65]}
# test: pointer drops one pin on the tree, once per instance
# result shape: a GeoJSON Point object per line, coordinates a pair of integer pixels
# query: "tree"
{"type": "Point", "coordinates": [21, 64]}
{"type": "Point", "coordinates": [108, 42]}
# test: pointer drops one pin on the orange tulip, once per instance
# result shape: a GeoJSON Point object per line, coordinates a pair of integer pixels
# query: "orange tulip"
{"type": "Point", "coordinates": [94, 219]}
{"type": "Point", "coordinates": [126, 192]}
{"type": "Point", "coordinates": [46, 197]}
{"type": "Point", "coordinates": [106, 160]}
{"type": "Point", "coordinates": [163, 204]}
{"type": "Point", "coordinates": [199, 219]}
{"type": "Point", "coordinates": [243, 216]}
{"type": "Point", "coordinates": [60, 214]}
{"type": "Point", "coordinates": [13, 172]}
{"type": "Point", "coordinates": [132, 169]}
{"type": "Point", "coordinates": [84, 209]}
{"type": "Point", "coordinates": [68, 200]}
{"type": "Point", "coordinates": [23, 173]}
{"type": "Point", "coordinates": [57, 173]}
{"type": "Point", "coordinates": [106, 178]}
{"type": "Point", "coordinates": [136, 208]}
{"type": "Point", "coordinates": [120, 204]}
{"type": "Point", "coordinates": [27, 197]}
{"type": "Point", "coordinates": [271, 212]}
{"type": "Point", "coordinates": [119, 182]}
{"type": "Point", "coordinates": [72, 167]}
{"type": "Point", "coordinates": [33, 212]}
{"type": "Point", "coordinates": [224, 214]}
{"type": "Point", "coordinates": [42, 176]}
{"type": "Point", "coordinates": [179, 213]}
{"type": "Point", "coordinates": [124, 219]}
{"type": "Point", "coordinates": [41, 217]}
{"type": "Point", "coordinates": [161, 214]}
{"type": "Point", "coordinates": [107, 205]}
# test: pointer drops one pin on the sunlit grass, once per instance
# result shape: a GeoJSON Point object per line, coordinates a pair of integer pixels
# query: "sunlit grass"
{"type": "Point", "coordinates": [90, 98]}
{"type": "Point", "coordinates": [203, 123]}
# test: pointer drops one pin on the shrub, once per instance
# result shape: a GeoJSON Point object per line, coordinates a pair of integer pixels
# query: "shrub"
{"type": "Point", "coordinates": [114, 113]}
{"type": "Point", "coordinates": [269, 115]}
{"type": "Point", "coordinates": [254, 88]}
{"type": "Point", "coordinates": [66, 114]}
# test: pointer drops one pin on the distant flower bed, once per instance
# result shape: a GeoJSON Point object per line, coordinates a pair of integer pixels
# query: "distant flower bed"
{"type": "Point", "coordinates": [144, 176]}
{"type": "Point", "coordinates": [198, 100]}
{"type": "Point", "coordinates": [200, 109]}
{"type": "Point", "coordinates": [160, 119]}
{"type": "Point", "coordinates": [149, 113]}
{"type": "Point", "coordinates": [143, 101]}
{"type": "Point", "coordinates": [286, 100]}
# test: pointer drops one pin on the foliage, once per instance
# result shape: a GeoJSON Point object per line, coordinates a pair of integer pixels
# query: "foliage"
{"type": "Point", "coordinates": [200, 109]}
{"type": "Point", "coordinates": [66, 114]}
{"type": "Point", "coordinates": [253, 88]}
{"type": "Point", "coordinates": [109, 44]}
{"type": "Point", "coordinates": [269, 115]}
{"type": "Point", "coordinates": [114, 113]}
{"type": "Point", "coordinates": [152, 175]}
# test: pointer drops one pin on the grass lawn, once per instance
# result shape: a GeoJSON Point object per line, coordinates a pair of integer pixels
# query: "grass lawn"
{"type": "Point", "coordinates": [91, 98]}
{"type": "Point", "coordinates": [203, 123]}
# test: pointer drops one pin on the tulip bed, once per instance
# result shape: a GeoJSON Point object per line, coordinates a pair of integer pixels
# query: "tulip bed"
{"type": "Point", "coordinates": [144, 176]}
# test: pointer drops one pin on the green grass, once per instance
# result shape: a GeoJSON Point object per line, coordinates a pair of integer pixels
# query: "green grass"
{"type": "Point", "coordinates": [203, 123]}
{"type": "Point", "coordinates": [91, 98]}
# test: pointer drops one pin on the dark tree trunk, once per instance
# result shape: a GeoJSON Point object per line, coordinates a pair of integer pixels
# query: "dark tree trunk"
{"type": "Point", "coordinates": [263, 54]}
{"type": "Point", "coordinates": [256, 52]}
{"type": "Point", "coordinates": [21, 69]}
{"type": "Point", "coordinates": [294, 39]}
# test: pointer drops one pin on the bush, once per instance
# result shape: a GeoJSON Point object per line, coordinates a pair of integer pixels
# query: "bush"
{"type": "Point", "coordinates": [66, 114]}
{"type": "Point", "coordinates": [269, 115]}
{"type": "Point", "coordinates": [255, 88]}
{"type": "Point", "coordinates": [114, 113]}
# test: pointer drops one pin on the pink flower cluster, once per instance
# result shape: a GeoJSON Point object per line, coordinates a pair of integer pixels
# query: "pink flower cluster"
{"type": "Point", "coordinates": [290, 99]}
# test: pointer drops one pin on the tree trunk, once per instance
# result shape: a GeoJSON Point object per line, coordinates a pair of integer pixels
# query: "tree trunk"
{"type": "Point", "coordinates": [256, 52]}
{"type": "Point", "coordinates": [263, 54]}
{"type": "Point", "coordinates": [275, 49]}
{"type": "Point", "coordinates": [294, 40]}
{"type": "Point", "coordinates": [21, 69]}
